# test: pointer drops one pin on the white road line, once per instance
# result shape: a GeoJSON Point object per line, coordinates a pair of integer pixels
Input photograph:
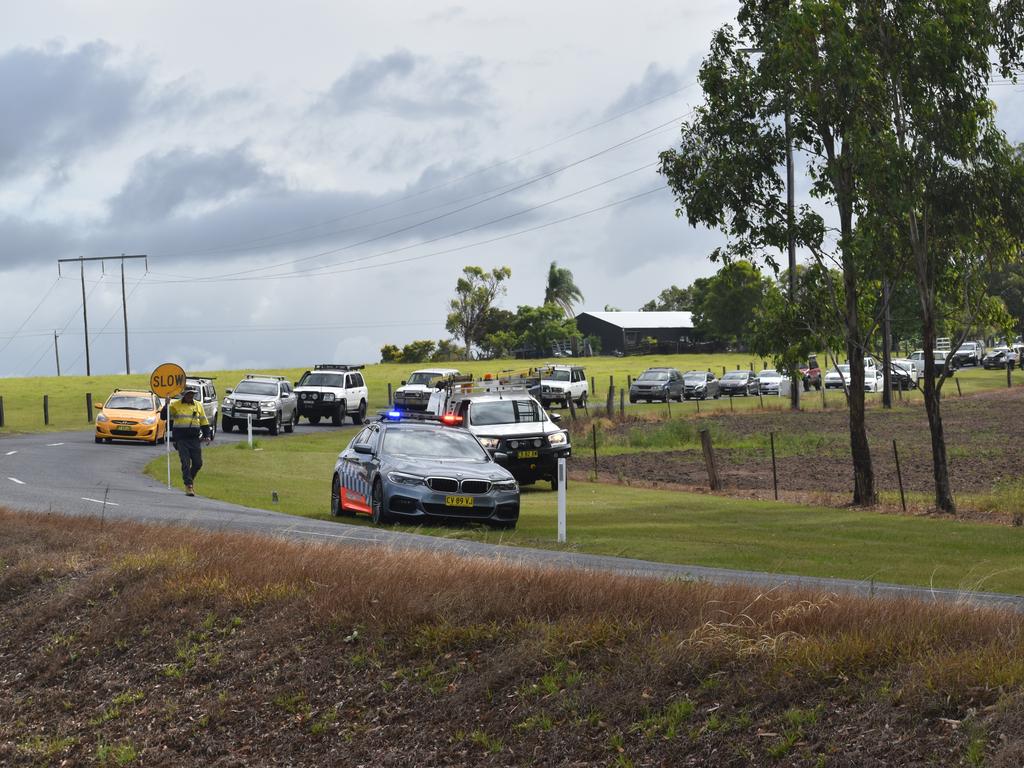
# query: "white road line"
{"type": "Point", "coordinates": [10, 453]}
{"type": "Point", "coordinates": [51, 445]}
{"type": "Point", "coordinates": [101, 501]}
{"type": "Point", "coordinates": [16, 480]}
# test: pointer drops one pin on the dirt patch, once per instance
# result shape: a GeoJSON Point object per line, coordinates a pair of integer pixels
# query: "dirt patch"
{"type": "Point", "coordinates": [984, 439]}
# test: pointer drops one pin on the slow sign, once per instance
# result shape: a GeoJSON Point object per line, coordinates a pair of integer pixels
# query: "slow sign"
{"type": "Point", "coordinates": [167, 380]}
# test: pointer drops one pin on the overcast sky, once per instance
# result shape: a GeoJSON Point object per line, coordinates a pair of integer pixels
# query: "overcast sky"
{"type": "Point", "coordinates": [308, 179]}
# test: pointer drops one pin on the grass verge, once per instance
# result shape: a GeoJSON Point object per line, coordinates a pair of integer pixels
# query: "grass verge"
{"type": "Point", "coordinates": [217, 648]}
{"type": "Point", "coordinates": [665, 526]}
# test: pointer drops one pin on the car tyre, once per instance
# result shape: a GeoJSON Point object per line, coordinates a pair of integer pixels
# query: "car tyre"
{"type": "Point", "coordinates": [314, 420]}
{"type": "Point", "coordinates": [98, 440]}
{"type": "Point", "coordinates": [554, 483]}
{"type": "Point", "coordinates": [582, 402]}
{"type": "Point", "coordinates": [226, 424]}
{"type": "Point", "coordinates": [338, 417]}
{"type": "Point", "coordinates": [359, 415]}
{"type": "Point", "coordinates": [290, 426]}
{"type": "Point", "coordinates": [378, 513]}
{"type": "Point", "coordinates": [336, 509]}
{"type": "Point", "coordinates": [632, 400]}
{"type": "Point", "coordinates": [275, 427]}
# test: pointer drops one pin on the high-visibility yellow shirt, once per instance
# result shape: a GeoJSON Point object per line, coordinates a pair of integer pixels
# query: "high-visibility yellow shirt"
{"type": "Point", "coordinates": [187, 416]}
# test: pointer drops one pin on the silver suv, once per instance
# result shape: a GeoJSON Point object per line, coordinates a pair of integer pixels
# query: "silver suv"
{"type": "Point", "coordinates": [268, 400]}
{"type": "Point", "coordinates": [206, 394]}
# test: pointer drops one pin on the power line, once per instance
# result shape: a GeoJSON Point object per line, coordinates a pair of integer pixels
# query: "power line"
{"type": "Point", "coordinates": [30, 315]}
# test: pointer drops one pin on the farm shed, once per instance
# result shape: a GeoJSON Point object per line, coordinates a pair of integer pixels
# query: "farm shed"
{"type": "Point", "coordinates": [625, 332]}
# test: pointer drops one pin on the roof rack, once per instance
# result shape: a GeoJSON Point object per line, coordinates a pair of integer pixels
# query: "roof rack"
{"type": "Point", "coordinates": [337, 367]}
{"type": "Point", "coordinates": [202, 378]}
{"type": "Point", "coordinates": [265, 376]}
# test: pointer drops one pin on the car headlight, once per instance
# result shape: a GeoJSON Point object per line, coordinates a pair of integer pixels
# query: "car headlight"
{"type": "Point", "coordinates": [505, 485]}
{"type": "Point", "coordinates": [558, 438]}
{"type": "Point", "coordinates": [150, 420]}
{"type": "Point", "coordinates": [328, 397]}
{"type": "Point", "coordinates": [102, 417]}
{"type": "Point", "coordinates": [227, 402]}
{"type": "Point", "coordinates": [490, 443]}
{"type": "Point", "coordinates": [403, 479]}
{"type": "Point", "coordinates": [268, 406]}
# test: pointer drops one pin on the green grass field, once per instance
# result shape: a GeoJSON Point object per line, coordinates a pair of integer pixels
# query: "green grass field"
{"type": "Point", "coordinates": [662, 525]}
{"type": "Point", "coordinates": [23, 397]}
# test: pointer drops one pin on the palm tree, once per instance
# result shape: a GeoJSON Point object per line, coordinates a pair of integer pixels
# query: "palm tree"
{"type": "Point", "coordinates": [562, 290]}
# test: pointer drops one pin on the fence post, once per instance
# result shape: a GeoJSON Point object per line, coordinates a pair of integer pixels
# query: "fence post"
{"type": "Point", "coordinates": [959, 392]}
{"type": "Point", "coordinates": [709, 460]}
{"type": "Point", "coordinates": [593, 432]}
{"type": "Point", "coordinates": [561, 500]}
{"type": "Point", "coordinates": [629, 380]}
{"type": "Point", "coordinates": [775, 472]}
{"type": "Point", "coordinates": [389, 393]}
{"type": "Point", "coordinates": [1009, 374]}
{"type": "Point", "coordinates": [622, 403]}
{"type": "Point", "coordinates": [611, 380]}
{"type": "Point", "coordinates": [760, 396]}
{"type": "Point", "coordinates": [610, 402]}
{"type": "Point", "coordinates": [88, 407]}
{"type": "Point", "coordinates": [46, 410]}
{"type": "Point", "coordinates": [723, 370]}
{"type": "Point", "coordinates": [899, 475]}
{"type": "Point", "coordinates": [1, 410]}
{"type": "Point", "coordinates": [593, 386]}
{"type": "Point", "coordinates": [572, 409]}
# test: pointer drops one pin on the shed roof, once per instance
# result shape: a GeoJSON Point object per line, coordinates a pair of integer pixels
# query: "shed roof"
{"type": "Point", "coordinates": [644, 319]}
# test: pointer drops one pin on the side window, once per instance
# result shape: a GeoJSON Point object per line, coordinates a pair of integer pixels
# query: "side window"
{"type": "Point", "coordinates": [374, 437]}
{"type": "Point", "coordinates": [349, 381]}
{"type": "Point", "coordinates": [711, 377]}
{"type": "Point", "coordinates": [211, 391]}
{"type": "Point", "coordinates": [287, 388]}
{"type": "Point", "coordinates": [362, 437]}
{"type": "Point", "coordinates": [357, 380]}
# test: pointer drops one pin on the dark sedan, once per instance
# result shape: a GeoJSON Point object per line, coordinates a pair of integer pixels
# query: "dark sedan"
{"type": "Point", "coordinates": [736, 383]}
{"type": "Point", "coordinates": [422, 471]}
{"type": "Point", "coordinates": [657, 384]}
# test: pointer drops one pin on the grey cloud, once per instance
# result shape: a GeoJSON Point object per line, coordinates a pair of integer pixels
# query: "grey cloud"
{"type": "Point", "coordinates": [57, 102]}
{"type": "Point", "coordinates": [656, 82]}
{"type": "Point", "coordinates": [161, 185]}
{"type": "Point", "coordinates": [408, 86]}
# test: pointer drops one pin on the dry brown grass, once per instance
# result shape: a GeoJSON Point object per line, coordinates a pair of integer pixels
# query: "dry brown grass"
{"type": "Point", "coordinates": [497, 658]}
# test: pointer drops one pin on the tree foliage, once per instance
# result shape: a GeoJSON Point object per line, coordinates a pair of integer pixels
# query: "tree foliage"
{"type": "Point", "coordinates": [729, 303]}
{"type": "Point", "coordinates": [475, 293]}
{"type": "Point", "coordinates": [561, 289]}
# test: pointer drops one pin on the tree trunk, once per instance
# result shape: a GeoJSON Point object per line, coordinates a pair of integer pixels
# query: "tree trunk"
{"type": "Point", "coordinates": [944, 501]}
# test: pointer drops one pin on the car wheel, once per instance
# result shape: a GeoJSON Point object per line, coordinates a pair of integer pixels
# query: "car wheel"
{"type": "Point", "coordinates": [338, 417]}
{"type": "Point", "coordinates": [226, 424]}
{"type": "Point", "coordinates": [360, 415]}
{"type": "Point", "coordinates": [582, 402]}
{"type": "Point", "coordinates": [275, 427]}
{"type": "Point", "coordinates": [554, 483]}
{"type": "Point", "coordinates": [313, 420]}
{"type": "Point", "coordinates": [632, 400]}
{"type": "Point", "coordinates": [378, 514]}
{"type": "Point", "coordinates": [290, 426]}
{"type": "Point", "coordinates": [99, 440]}
{"type": "Point", "coordinates": [336, 509]}
{"type": "Point", "coordinates": [213, 428]}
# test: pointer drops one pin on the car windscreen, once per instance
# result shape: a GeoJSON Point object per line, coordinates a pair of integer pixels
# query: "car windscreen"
{"type": "Point", "coordinates": [504, 412]}
{"type": "Point", "coordinates": [653, 376]}
{"type": "Point", "coordinates": [841, 369]}
{"type": "Point", "coordinates": [322, 380]}
{"type": "Point", "coordinates": [695, 376]}
{"type": "Point", "coordinates": [735, 376]}
{"type": "Point", "coordinates": [767, 374]}
{"type": "Point", "coordinates": [130, 402]}
{"type": "Point", "coordinates": [423, 378]}
{"type": "Point", "coordinates": [256, 388]}
{"type": "Point", "coordinates": [434, 444]}
{"type": "Point", "coordinates": [557, 376]}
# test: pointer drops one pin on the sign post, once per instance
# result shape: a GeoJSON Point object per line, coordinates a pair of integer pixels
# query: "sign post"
{"type": "Point", "coordinates": [561, 500]}
{"type": "Point", "coordinates": [167, 380]}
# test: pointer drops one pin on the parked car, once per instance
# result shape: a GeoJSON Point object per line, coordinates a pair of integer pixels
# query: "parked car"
{"type": "Point", "coordinates": [811, 374]}
{"type": "Point", "coordinates": [700, 385]}
{"type": "Point", "coordinates": [769, 381]}
{"type": "Point", "coordinates": [905, 373]}
{"type": "Point", "coordinates": [939, 357]}
{"type": "Point", "coordinates": [657, 384]}
{"type": "Point", "coordinates": [998, 358]}
{"type": "Point", "coordinates": [736, 383]}
{"type": "Point", "coordinates": [969, 353]}
{"type": "Point", "coordinates": [332, 391]}
{"type": "Point", "coordinates": [268, 400]}
{"type": "Point", "coordinates": [838, 377]}
{"type": "Point", "coordinates": [415, 393]}
{"type": "Point", "coordinates": [874, 379]}
{"type": "Point", "coordinates": [414, 471]}
{"type": "Point", "coordinates": [560, 383]}
{"type": "Point", "coordinates": [206, 394]}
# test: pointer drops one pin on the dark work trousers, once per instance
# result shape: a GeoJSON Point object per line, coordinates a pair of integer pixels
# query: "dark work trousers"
{"type": "Point", "coordinates": [191, 453]}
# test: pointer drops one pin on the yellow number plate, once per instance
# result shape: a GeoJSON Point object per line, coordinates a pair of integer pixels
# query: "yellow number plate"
{"type": "Point", "coordinates": [458, 501]}
{"type": "Point", "coordinates": [527, 454]}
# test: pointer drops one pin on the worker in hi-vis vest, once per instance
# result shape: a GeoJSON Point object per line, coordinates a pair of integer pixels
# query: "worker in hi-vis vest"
{"type": "Point", "coordinates": [190, 429]}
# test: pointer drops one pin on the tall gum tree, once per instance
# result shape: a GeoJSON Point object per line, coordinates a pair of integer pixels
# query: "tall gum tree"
{"type": "Point", "coordinates": [806, 60]}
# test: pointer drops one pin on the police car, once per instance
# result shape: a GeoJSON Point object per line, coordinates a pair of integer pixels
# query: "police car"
{"type": "Point", "coordinates": [405, 468]}
{"type": "Point", "coordinates": [332, 391]}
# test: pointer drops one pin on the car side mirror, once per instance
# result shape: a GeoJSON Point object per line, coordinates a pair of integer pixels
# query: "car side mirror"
{"type": "Point", "coordinates": [500, 456]}
{"type": "Point", "coordinates": [363, 448]}
{"type": "Point", "coordinates": [403, 383]}
{"type": "Point", "coordinates": [228, 391]}
{"type": "Point", "coordinates": [98, 406]}
{"type": "Point", "coordinates": [296, 384]}
{"type": "Point", "coordinates": [555, 417]}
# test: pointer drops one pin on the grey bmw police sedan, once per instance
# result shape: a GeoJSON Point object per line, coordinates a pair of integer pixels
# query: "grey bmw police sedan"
{"type": "Point", "coordinates": [422, 470]}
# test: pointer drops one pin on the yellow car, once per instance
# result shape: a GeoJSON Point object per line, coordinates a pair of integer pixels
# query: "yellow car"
{"type": "Point", "coordinates": [130, 415]}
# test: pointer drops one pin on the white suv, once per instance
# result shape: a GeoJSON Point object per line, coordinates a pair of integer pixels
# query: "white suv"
{"type": "Point", "coordinates": [560, 383]}
{"type": "Point", "coordinates": [332, 391]}
{"type": "Point", "coordinates": [414, 394]}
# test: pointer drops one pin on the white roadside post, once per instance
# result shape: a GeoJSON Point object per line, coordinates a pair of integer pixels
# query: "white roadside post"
{"type": "Point", "coordinates": [167, 440]}
{"type": "Point", "coordinates": [561, 500]}
{"type": "Point", "coordinates": [248, 420]}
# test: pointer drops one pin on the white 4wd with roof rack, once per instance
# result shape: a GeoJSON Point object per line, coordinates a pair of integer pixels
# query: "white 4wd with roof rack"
{"type": "Point", "coordinates": [561, 383]}
{"type": "Point", "coordinates": [414, 394]}
{"type": "Point", "coordinates": [332, 391]}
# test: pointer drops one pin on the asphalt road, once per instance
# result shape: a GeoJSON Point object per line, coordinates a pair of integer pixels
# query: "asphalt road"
{"type": "Point", "coordinates": [67, 473]}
